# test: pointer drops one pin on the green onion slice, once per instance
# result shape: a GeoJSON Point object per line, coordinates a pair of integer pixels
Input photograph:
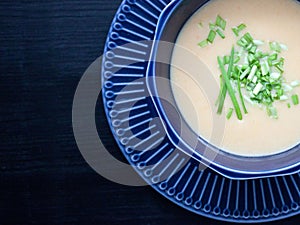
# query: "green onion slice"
{"type": "Point", "coordinates": [295, 99]}
{"type": "Point", "coordinates": [229, 114]}
{"type": "Point", "coordinates": [241, 97]}
{"type": "Point", "coordinates": [220, 33]}
{"type": "Point", "coordinates": [220, 22]}
{"type": "Point", "coordinates": [203, 43]}
{"type": "Point", "coordinates": [211, 36]}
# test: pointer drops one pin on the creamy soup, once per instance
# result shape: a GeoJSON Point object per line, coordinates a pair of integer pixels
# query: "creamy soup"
{"type": "Point", "coordinates": [257, 134]}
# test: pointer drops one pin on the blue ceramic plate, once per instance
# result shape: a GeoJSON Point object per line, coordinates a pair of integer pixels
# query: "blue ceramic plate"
{"type": "Point", "coordinates": [141, 137]}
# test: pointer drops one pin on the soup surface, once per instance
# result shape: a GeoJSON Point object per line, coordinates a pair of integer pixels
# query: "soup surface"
{"type": "Point", "coordinates": [257, 134]}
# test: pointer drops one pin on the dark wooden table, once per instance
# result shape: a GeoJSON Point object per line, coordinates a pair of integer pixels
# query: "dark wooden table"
{"type": "Point", "coordinates": [45, 47]}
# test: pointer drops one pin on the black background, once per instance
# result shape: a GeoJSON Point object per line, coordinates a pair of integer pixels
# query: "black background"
{"type": "Point", "coordinates": [45, 47]}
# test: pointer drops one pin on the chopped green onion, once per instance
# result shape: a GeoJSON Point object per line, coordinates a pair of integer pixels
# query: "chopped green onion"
{"type": "Point", "coordinates": [235, 31]}
{"type": "Point", "coordinates": [264, 68]}
{"type": "Point", "coordinates": [211, 36]}
{"type": "Point", "coordinates": [248, 99]}
{"type": "Point", "coordinates": [275, 46]}
{"type": "Point", "coordinates": [280, 93]}
{"type": "Point", "coordinates": [238, 29]}
{"type": "Point", "coordinates": [273, 57]}
{"type": "Point", "coordinates": [222, 96]}
{"type": "Point", "coordinates": [255, 79]}
{"type": "Point", "coordinates": [220, 33]}
{"type": "Point", "coordinates": [272, 112]}
{"type": "Point", "coordinates": [252, 72]}
{"type": "Point", "coordinates": [229, 114]}
{"type": "Point", "coordinates": [248, 37]}
{"type": "Point", "coordinates": [259, 54]}
{"type": "Point", "coordinates": [281, 61]}
{"type": "Point", "coordinates": [283, 47]}
{"type": "Point", "coordinates": [259, 73]}
{"type": "Point", "coordinates": [241, 97]}
{"type": "Point", "coordinates": [287, 87]}
{"type": "Point", "coordinates": [275, 62]}
{"type": "Point", "coordinates": [257, 88]}
{"type": "Point", "coordinates": [249, 46]}
{"type": "Point", "coordinates": [295, 99]}
{"type": "Point", "coordinates": [251, 58]}
{"type": "Point", "coordinates": [220, 22]}
{"type": "Point", "coordinates": [279, 68]}
{"type": "Point", "coordinates": [258, 42]}
{"type": "Point", "coordinates": [237, 59]}
{"type": "Point", "coordinates": [253, 49]}
{"type": "Point", "coordinates": [215, 28]}
{"type": "Point", "coordinates": [283, 98]}
{"type": "Point", "coordinates": [289, 105]}
{"type": "Point", "coordinates": [241, 27]}
{"type": "Point", "coordinates": [203, 43]}
{"type": "Point", "coordinates": [245, 73]}
{"type": "Point", "coordinates": [223, 91]}
{"type": "Point", "coordinates": [295, 83]}
{"type": "Point", "coordinates": [242, 43]}
{"type": "Point", "coordinates": [212, 26]}
{"type": "Point", "coordinates": [275, 76]}
{"type": "Point", "coordinates": [228, 83]}
{"type": "Point", "coordinates": [226, 59]}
